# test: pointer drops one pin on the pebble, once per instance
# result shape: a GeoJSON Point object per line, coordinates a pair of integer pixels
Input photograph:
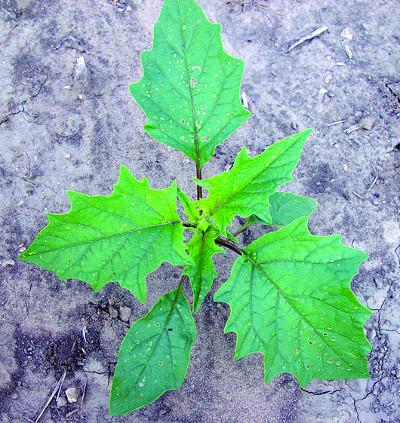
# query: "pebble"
{"type": "Point", "coordinates": [72, 394]}
{"type": "Point", "coordinates": [8, 262]}
{"type": "Point", "coordinates": [347, 34]}
{"type": "Point", "coordinates": [125, 313]}
{"type": "Point", "coordinates": [348, 51]}
{"type": "Point", "coordinates": [61, 402]}
{"type": "Point", "coordinates": [366, 123]}
{"type": "Point", "coordinates": [391, 232]}
{"type": "Point", "coordinates": [14, 396]}
{"type": "Point", "coordinates": [82, 81]}
{"type": "Point", "coordinates": [113, 312]}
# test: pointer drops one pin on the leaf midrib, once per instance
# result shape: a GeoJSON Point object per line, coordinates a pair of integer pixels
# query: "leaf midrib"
{"type": "Point", "coordinates": [295, 309]}
{"type": "Point", "coordinates": [195, 133]}
{"type": "Point", "coordinates": [104, 237]}
{"type": "Point", "coordinates": [250, 180]}
{"type": "Point", "coordinates": [158, 340]}
{"type": "Point", "coordinates": [200, 269]}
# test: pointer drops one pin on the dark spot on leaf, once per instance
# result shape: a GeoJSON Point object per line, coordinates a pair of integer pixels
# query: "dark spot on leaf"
{"type": "Point", "coordinates": [169, 329]}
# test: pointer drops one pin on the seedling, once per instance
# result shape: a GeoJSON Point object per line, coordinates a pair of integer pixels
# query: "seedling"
{"type": "Point", "coordinates": [289, 291]}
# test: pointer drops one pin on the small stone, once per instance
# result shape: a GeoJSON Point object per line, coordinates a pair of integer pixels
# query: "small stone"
{"type": "Point", "coordinates": [14, 396]}
{"type": "Point", "coordinates": [125, 313]}
{"type": "Point", "coordinates": [347, 34]}
{"type": "Point", "coordinates": [128, 9]}
{"type": "Point", "coordinates": [72, 394]}
{"type": "Point", "coordinates": [67, 156]}
{"type": "Point", "coordinates": [8, 262]}
{"type": "Point", "coordinates": [328, 78]}
{"type": "Point", "coordinates": [322, 91]}
{"type": "Point", "coordinates": [113, 312]}
{"type": "Point", "coordinates": [345, 167]}
{"type": "Point", "coordinates": [348, 51]}
{"type": "Point", "coordinates": [391, 232]}
{"type": "Point", "coordinates": [366, 123]}
{"type": "Point", "coordinates": [82, 79]}
{"type": "Point", "coordinates": [61, 402]}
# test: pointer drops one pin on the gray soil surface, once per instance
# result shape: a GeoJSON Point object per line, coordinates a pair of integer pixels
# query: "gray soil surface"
{"type": "Point", "coordinates": [67, 121]}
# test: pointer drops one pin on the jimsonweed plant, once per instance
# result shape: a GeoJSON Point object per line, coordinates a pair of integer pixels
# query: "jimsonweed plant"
{"type": "Point", "coordinates": [289, 291]}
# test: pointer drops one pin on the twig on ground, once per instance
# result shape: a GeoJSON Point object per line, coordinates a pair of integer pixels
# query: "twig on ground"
{"type": "Point", "coordinates": [314, 34]}
{"type": "Point", "coordinates": [84, 334]}
{"type": "Point", "coordinates": [61, 380]}
{"type": "Point", "coordinates": [357, 195]}
{"type": "Point", "coordinates": [351, 144]}
{"type": "Point", "coordinates": [84, 392]}
{"type": "Point", "coordinates": [72, 412]}
{"type": "Point", "coordinates": [61, 384]}
{"type": "Point", "coordinates": [336, 123]}
{"type": "Point", "coordinates": [352, 128]}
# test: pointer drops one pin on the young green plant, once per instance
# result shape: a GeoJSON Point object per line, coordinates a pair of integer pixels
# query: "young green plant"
{"type": "Point", "coordinates": [289, 291]}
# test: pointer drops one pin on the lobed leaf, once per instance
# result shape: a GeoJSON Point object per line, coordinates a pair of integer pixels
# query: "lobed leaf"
{"type": "Point", "coordinates": [201, 272]}
{"type": "Point", "coordinates": [245, 189]}
{"type": "Point", "coordinates": [190, 87]}
{"type": "Point", "coordinates": [291, 300]}
{"type": "Point", "coordinates": [154, 354]}
{"type": "Point", "coordinates": [123, 237]}
{"type": "Point", "coordinates": [285, 208]}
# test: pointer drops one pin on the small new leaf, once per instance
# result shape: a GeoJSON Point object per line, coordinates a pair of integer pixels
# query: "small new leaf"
{"type": "Point", "coordinates": [123, 237]}
{"type": "Point", "coordinates": [285, 208]}
{"type": "Point", "coordinates": [244, 190]}
{"type": "Point", "coordinates": [291, 300]}
{"type": "Point", "coordinates": [188, 207]}
{"type": "Point", "coordinates": [190, 86]}
{"type": "Point", "coordinates": [154, 354]}
{"type": "Point", "coordinates": [201, 272]}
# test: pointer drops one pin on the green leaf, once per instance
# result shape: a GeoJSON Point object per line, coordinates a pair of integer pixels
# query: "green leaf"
{"type": "Point", "coordinates": [201, 272]}
{"type": "Point", "coordinates": [190, 87]}
{"type": "Point", "coordinates": [244, 190]}
{"type": "Point", "coordinates": [285, 208]}
{"type": "Point", "coordinates": [188, 207]}
{"type": "Point", "coordinates": [291, 300]}
{"type": "Point", "coordinates": [123, 237]}
{"type": "Point", "coordinates": [154, 354]}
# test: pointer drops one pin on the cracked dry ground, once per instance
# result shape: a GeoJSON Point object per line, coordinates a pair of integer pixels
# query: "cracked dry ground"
{"type": "Point", "coordinates": [67, 121]}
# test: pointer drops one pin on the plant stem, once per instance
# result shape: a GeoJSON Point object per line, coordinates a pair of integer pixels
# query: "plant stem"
{"type": "Point", "coordinates": [246, 225]}
{"type": "Point", "coordinates": [227, 244]}
{"type": "Point", "coordinates": [189, 225]}
{"type": "Point", "coordinates": [175, 299]}
{"type": "Point", "coordinates": [198, 176]}
{"type": "Point", "coordinates": [179, 286]}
